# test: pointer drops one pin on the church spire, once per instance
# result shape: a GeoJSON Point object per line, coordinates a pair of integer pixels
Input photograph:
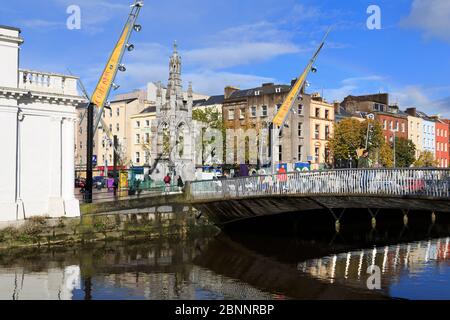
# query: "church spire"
{"type": "Point", "coordinates": [175, 73]}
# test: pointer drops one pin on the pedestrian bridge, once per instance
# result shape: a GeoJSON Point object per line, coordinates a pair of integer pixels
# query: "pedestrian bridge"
{"type": "Point", "coordinates": [231, 200]}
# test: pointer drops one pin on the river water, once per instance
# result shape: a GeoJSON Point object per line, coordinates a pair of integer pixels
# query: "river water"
{"type": "Point", "coordinates": [414, 263]}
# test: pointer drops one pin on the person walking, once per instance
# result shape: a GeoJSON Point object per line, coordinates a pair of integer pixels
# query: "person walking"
{"type": "Point", "coordinates": [180, 183]}
{"type": "Point", "coordinates": [167, 180]}
{"type": "Point", "coordinates": [364, 162]}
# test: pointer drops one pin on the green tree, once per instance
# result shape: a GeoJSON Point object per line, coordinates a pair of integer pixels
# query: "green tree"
{"type": "Point", "coordinates": [346, 140]}
{"type": "Point", "coordinates": [405, 152]}
{"type": "Point", "coordinates": [426, 160]}
{"type": "Point", "coordinates": [212, 117]}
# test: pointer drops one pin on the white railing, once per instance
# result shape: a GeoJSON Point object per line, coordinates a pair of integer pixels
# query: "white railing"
{"type": "Point", "coordinates": [47, 82]}
{"type": "Point", "coordinates": [397, 182]}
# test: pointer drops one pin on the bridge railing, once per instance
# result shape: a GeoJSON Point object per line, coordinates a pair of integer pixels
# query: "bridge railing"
{"type": "Point", "coordinates": [433, 183]}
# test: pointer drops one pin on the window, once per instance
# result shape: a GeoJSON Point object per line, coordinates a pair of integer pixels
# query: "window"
{"type": "Point", "coordinates": [137, 157]}
{"type": "Point", "coordinates": [103, 158]}
{"type": "Point", "coordinates": [110, 128]}
{"type": "Point", "coordinates": [317, 153]}
{"type": "Point", "coordinates": [242, 114]}
{"type": "Point", "coordinates": [264, 111]}
{"type": "Point", "coordinates": [118, 111]}
{"type": "Point", "coordinates": [390, 125]}
{"type": "Point", "coordinates": [117, 127]}
{"type": "Point", "coordinates": [253, 112]}
{"type": "Point", "coordinates": [317, 131]}
{"type": "Point", "coordinates": [81, 144]}
{"type": "Point", "coordinates": [137, 138]}
{"type": "Point", "coordinates": [327, 114]}
{"type": "Point", "coordinates": [110, 158]}
{"type": "Point", "coordinates": [147, 137]}
{"type": "Point", "coordinates": [317, 112]}
{"type": "Point", "coordinates": [147, 123]}
{"type": "Point", "coordinates": [300, 129]}
{"type": "Point", "coordinates": [103, 143]}
{"type": "Point", "coordinates": [104, 114]}
{"type": "Point", "coordinates": [281, 133]}
{"type": "Point", "coordinates": [110, 113]}
{"type": "Point", "coordinates": [300, 153]}
{"type": "Point", "coordinates": [327, 132]}
{"type": "Point", "coordinates": [300, 109]}
{"type": "Point", "coordinates": [278, 90]}
{"type": "Point", "coordinates": [138, 124]}
{"type": "Point", "coordinates": [280, 153]}
{"type": "Point", "coordinates": [257, 93]}
{"type": "Point", "coordinates": [231, 114]}
{"type": "Point", "coordinates": [403, 127]}
{"type": "Point", "coordinates": [384, 124]}
{"type": "Point", "coordinates": [396, 126]}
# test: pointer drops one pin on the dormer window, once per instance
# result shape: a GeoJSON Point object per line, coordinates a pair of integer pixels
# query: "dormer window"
{"type": "Point", "coordinates": [278, 90]}
{"type": "Point", "coordinates": [257, 93]}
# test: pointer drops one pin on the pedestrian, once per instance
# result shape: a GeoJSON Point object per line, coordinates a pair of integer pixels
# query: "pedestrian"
{"type": "Point", "coordinates": [180, 183]}
{"type": "Point", "coordinates": [167, 180]}
{"type": "Point", "coordinates": [115, 186]}
{"type": "Point", "coordinates": [364, 161]}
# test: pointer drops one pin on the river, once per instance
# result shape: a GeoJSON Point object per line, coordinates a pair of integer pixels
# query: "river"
{"type": "Point", "coordinates": [414, 263]}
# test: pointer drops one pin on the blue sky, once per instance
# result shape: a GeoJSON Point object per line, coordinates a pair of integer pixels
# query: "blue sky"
{"type": "Point", "coordinates": [245, 43]}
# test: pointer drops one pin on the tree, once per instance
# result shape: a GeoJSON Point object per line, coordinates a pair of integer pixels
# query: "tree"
{"type": "Point", "coordinates": [405, 152]}
{"type": "Point", "coordinates": [373, 136]}
{"type": "Point", "coordinates": [426, 160]}
{"type": "Point", "coordinates": [346, 139]}
{"type": "Point", "coordinates": [386, 158]}
{"type": "Point", "coordinates": [213, 117]}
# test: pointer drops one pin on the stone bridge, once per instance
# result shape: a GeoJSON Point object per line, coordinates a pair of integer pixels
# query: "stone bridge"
{"type": "Point", "coordinates": [231, 200]}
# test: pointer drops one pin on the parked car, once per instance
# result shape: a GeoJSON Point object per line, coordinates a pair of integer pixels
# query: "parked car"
{"type": "Point", "coordinates": [99, 182]}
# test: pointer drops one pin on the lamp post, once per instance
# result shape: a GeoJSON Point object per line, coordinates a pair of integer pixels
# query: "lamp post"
{"type": "Point", "coordinates": [369, 117]}
{"type": "Point", "coordinates": [394, 131]}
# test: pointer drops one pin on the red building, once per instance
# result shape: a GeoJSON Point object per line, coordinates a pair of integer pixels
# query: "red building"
{"type": "Point", "coordinates": [391, 122]}
{"type": "Point", "coordinates": [442, 143]}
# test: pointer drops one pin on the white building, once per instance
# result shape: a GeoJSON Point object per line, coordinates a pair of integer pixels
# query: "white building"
{"type": "Point", "coordinates": [37, 118]}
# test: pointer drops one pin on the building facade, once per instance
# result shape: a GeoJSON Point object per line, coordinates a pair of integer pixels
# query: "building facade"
{"type": "Point", "coordinates": [442, 146]}
{"type": "Point", "coordinates": [415, 131]}
{"type": "Point", "coordinates": [248, 115]}
{"type": "Point", "coordinates": [428, 133]}
{"type": "Point", "coordinates": [37, 121]}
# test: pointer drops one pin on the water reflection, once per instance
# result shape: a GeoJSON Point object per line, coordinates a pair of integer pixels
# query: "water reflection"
{"type": "Point", "coordinates": [238, 266]}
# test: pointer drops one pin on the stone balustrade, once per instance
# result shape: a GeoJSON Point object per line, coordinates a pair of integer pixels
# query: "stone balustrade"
{"type": "Point", "coordinates": [47, 82]}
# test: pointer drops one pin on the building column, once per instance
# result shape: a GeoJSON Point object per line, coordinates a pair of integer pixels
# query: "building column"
{"type": "Point", "coordinates": [8, 163]}
{"type": "Point", "coordinates": [71, 205]}
{"type": "Point", "coordinates": [56, 202]}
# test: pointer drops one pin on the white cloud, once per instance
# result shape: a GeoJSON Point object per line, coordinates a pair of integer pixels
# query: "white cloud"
{"type": "Point", "coordinates": [431, 16]}
{"type": "Point", "coordinates": [227, 55]}
{"type": "Point", "coordinates": [41, 24]}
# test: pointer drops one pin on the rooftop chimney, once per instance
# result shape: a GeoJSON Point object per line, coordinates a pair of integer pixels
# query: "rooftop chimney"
{"type": "Point", "coordinates": [412, 112]}
{"type": "Point", "coordinates": [229, 90]}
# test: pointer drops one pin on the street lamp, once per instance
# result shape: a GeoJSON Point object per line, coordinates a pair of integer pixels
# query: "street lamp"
{"type": "Point", "coordinates": [394, 131]}
{"type": "Point", "coordinates": [369, 117]}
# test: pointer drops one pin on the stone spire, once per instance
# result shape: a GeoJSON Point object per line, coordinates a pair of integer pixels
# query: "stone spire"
{"type": "Point", "coordinates": [174, 84]}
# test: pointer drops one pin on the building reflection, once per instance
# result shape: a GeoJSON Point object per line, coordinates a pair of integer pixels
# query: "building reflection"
{"type": "Point", "coordinates": [394, 261]}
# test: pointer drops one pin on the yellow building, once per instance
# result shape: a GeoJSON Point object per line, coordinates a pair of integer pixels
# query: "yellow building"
{"type": "Point", "coordinates": [415, 131]}
{"type": "Point", "coordinates": [321, 115]}
{"type": "Point", "coordinates": [141, 136]}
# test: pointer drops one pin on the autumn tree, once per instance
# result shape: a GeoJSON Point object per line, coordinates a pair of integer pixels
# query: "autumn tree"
{"type": "Point", "coordinates": [426, 160]}
{"type": "Point", "coordinates": [346, 139]}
